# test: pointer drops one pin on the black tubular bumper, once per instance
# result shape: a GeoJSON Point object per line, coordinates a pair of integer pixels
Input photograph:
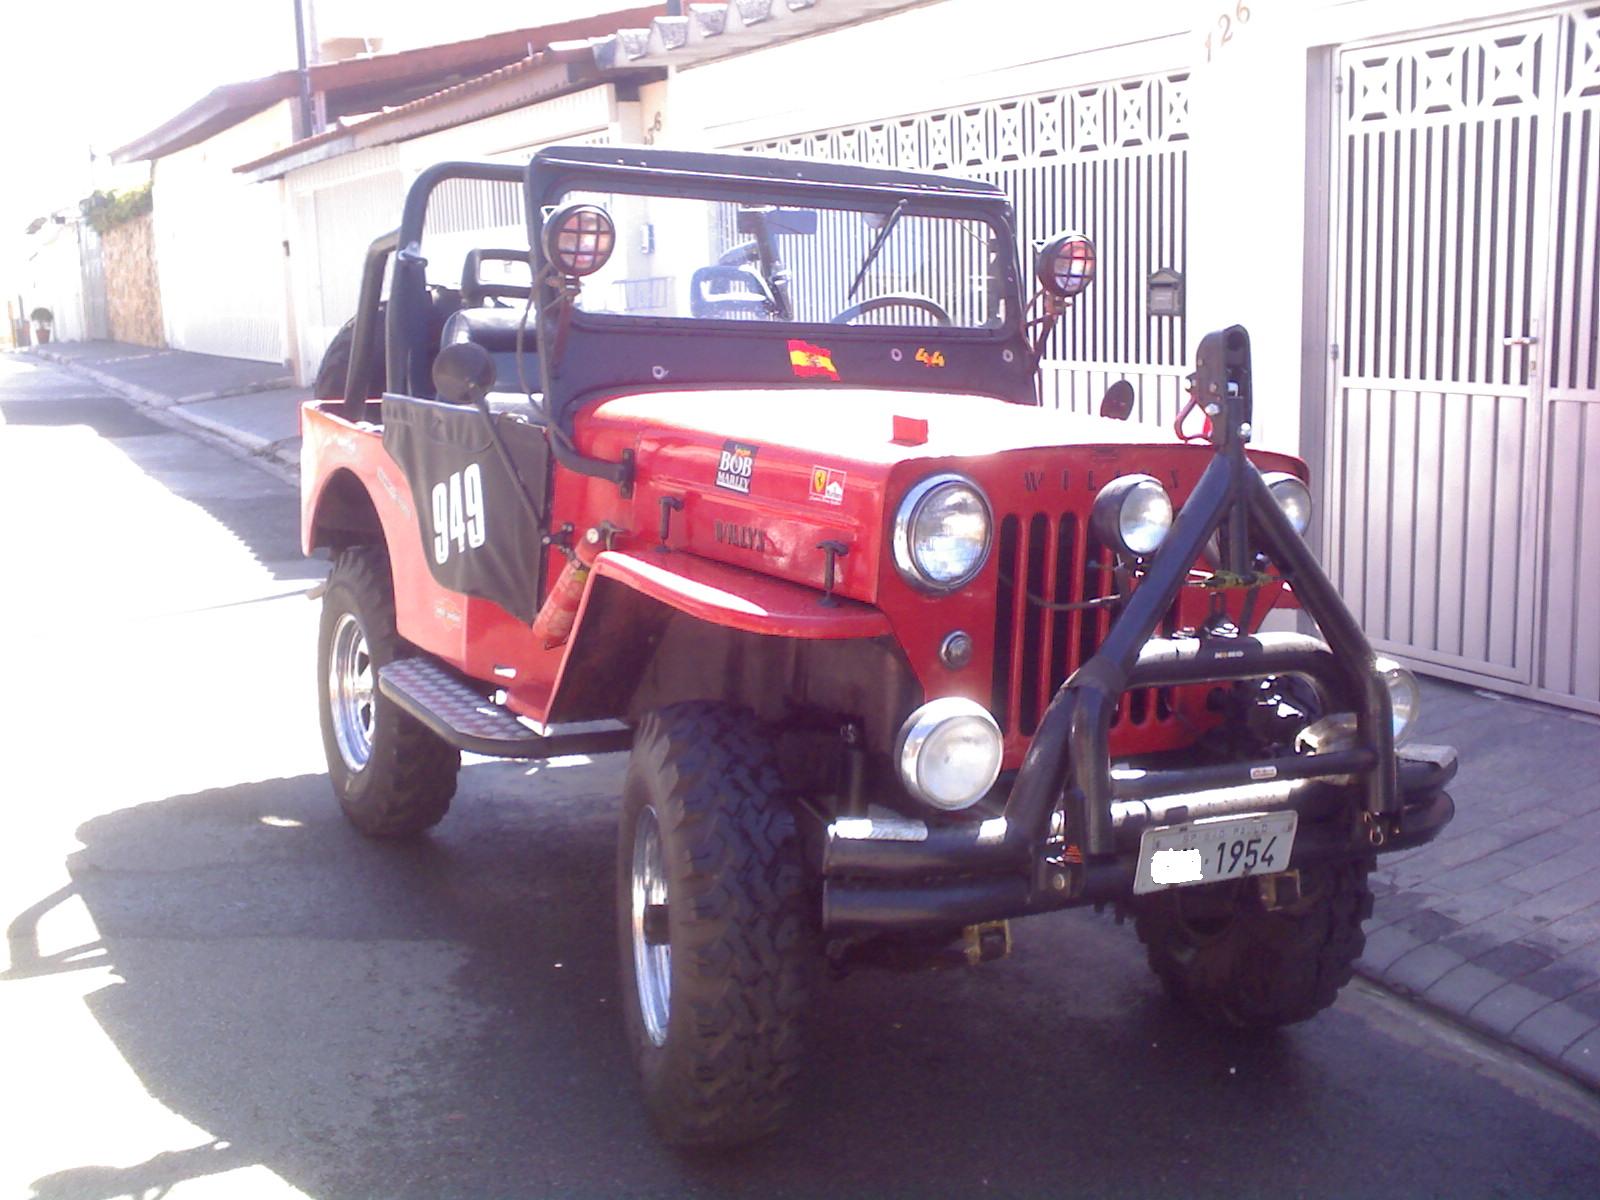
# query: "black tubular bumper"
{"type": "Point", "coordinates": [1357, 801]}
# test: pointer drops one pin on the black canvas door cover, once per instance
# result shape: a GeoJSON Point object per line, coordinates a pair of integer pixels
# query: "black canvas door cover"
{"type": "Point", "coordinates": [478, 537]}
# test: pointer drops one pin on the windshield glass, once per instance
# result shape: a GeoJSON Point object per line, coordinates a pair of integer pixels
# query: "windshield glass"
{"type": "Point", "coordinates": [704, 259]}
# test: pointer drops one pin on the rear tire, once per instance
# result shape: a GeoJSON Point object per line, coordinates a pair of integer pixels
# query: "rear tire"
{"type": "Point", "coordinates": [1222, 954]}
{"type": "Point", "coordinates": [393, 777]}
{"type": "Point", "coordinates": [708, 859]}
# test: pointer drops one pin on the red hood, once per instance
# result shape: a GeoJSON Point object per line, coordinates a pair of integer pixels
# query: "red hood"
{"type": "Point", "coordinates": [765, 476]}
{"type": "Point", "coordinates": [857, 424]}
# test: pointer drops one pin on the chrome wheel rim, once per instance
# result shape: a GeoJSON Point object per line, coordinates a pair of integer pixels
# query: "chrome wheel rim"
{"type": "Point", "coordinates": [351, 694]}
{"type": "Point", "coordinates": [652, 964]}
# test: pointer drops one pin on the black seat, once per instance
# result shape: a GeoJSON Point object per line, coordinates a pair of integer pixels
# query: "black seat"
{"type": "Point", "coordinates": [495, 329]}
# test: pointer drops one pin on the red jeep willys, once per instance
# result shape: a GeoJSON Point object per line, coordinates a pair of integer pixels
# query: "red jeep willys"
{"type": "Point", "coordinates": [750, 477]}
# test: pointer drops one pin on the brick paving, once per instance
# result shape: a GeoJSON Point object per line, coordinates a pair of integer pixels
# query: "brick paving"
{"type": "Point", "coordinates": [1497, 923]}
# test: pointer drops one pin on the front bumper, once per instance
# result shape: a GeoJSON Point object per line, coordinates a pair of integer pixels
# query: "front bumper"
{"type": "Point", "coordinates": [902, 874]}
{"type": "Point", "coordinates": [1070, 830]}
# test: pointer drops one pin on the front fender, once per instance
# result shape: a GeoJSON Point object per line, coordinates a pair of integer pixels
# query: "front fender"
{"type": "Point", "coordinates": [740, 599]}
{"type": "Point", "coordinates": [659, 628]}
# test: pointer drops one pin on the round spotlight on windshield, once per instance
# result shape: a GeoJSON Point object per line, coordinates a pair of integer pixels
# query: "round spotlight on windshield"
{"type": "Point", "coordinates": [578, 239]}
{"type": "Point", "coordinates": [1066, 265]}
{"type": "Point", "coordinates": [1293, 497]}
{"type": "Point", "coordinates": [1132, 514]}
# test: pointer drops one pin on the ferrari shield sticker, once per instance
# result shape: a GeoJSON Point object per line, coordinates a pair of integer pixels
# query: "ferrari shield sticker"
{"type": "Point", "coordinates": [736, 466]}
{"type": "Point", "coordinates": [827, 485]}
{"type": "Point", "coordinates": [811, 362]}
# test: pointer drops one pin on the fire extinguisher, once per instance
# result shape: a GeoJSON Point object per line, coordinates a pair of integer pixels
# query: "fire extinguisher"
{"type": "Point", "coordinates": [560, 609]}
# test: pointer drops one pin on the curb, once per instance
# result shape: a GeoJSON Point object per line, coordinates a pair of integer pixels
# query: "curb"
{"type": "Point", "coordinates": [150, 397]}
{"type": "Point", "coordinates": [1551, 1032]}
{"type": "Point", "coordinates": [280, 456]}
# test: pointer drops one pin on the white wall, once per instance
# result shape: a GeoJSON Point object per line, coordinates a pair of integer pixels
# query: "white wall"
{"type": "Point", "coordinates": [337, 207]}
{"type": "Point", "coordinates": [219, 244]}
{"type": "Point", "coordinates": [54, 280]}
{"type": "Point", "coordinates": [1248, 115]}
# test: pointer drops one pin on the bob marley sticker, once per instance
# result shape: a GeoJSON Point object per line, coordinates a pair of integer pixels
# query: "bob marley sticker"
{"type": "Point", "coordinates": [736, 466]}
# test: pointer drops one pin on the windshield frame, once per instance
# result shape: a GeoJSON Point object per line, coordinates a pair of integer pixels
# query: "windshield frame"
{"type": "Point", "coordinates": [901, 212]}
{"type": "Point", "coordinates": [665, 352]}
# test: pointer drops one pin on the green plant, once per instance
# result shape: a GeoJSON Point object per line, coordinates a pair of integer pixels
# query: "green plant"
{"type": "Point", "coordinates": [106, 210]}
{"type": "Point", "coordinates": [42, 316]}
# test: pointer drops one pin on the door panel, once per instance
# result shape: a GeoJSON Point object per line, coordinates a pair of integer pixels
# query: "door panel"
{"type": "Point", "coordinates": [1570, 653]}
{"type": "Point", "coordinates": [1435, 420]}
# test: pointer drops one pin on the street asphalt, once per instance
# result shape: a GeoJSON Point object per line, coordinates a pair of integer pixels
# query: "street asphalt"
{"type": "Point", "coordinates": [214, 987]}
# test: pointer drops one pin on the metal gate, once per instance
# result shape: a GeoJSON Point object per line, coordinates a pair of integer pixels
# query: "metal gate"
{"type": "Point", "coordinates": [1463, 527]}
{"type": "Point", "coordinates": [1108, 159]}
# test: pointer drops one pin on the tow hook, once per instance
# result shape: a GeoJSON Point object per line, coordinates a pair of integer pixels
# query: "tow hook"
{"type": "Point", "coordinates": [1279, 891]}
{"type": "Point", "coordinates": [1373, 829]}
{"type": "Point", "coordinates": [987, 942]}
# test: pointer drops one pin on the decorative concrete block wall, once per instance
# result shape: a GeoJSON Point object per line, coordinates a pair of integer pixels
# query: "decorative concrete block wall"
{"type": "Point", "coordinates": [133, 295]}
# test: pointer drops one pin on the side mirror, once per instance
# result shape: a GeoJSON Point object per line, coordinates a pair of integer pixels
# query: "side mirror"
{"type": "Point", "coordinates": [463, 373]}
{"type": "Point", "coordinates": [1065, 265]}
{"type": "Point", "coordinates": [1118, 401]}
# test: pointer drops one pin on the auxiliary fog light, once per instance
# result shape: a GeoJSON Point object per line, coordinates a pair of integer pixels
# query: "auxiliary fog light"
{"type": "Point", "coordinates": [1293, 497]}
{"type": "Point", "coordinates": [1337, 731]}
{"type": "Point", "coordinates": [949, 753]}
{"type": "Point", "coordinates": [579, 239]}
{"type": "Point", "coordinates": [1133, 514]}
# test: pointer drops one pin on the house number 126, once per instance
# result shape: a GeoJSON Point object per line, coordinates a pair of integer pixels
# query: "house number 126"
{"type": "Point", "coordinates": [1225, 23]}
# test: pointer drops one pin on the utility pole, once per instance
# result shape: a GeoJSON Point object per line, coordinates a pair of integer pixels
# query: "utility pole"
{"type": "Point", "coordinates": [306, 125]}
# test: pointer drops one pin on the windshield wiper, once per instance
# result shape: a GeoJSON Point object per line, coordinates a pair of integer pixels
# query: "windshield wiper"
{"type": "Point", "coordinates": [877, 244]}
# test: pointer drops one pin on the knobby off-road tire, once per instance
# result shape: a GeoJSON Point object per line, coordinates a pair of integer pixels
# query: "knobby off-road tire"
{"type": "Point", "coordinates": [394, 778]}
{"type": "Point", "coordinates": [1219, 952]}
{"type": "Point", "coordinates": [720, 1068]}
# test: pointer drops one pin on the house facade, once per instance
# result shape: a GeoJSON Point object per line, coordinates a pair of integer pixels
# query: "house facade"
{"type": "Point", "coordinates": [1398, 198]}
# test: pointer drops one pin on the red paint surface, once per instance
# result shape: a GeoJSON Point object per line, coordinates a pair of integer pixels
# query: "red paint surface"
{"type": "Point", "coordinates": [752, 561]}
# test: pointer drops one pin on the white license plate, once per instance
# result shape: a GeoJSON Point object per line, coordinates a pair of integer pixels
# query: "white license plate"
{"type": "Point", "coordinates": [1214, 849]}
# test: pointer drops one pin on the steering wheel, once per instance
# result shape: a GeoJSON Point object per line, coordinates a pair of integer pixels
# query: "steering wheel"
{"type": "Point", "coordinates": [897, 300]}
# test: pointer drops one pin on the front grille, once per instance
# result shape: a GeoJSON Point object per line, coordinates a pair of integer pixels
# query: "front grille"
{"type": "Point", "coordinates": [1055, 558]}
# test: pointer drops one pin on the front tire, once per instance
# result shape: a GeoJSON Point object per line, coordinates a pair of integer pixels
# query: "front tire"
{"type": "Point", "coordinates": [714, 929]}
{"type": "Point", "coordinates": [393, 777]}
{"type": "Point", "coordinates": [1220, 952]}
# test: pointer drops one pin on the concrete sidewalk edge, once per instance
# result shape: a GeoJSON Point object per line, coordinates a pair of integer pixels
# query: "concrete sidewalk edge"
{"type": "Point", "coordinates": [282, 453]}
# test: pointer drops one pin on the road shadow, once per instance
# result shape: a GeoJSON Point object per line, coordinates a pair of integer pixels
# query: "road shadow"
{"type": "Point", "coordinates": [258, 509]}
{"type": "Point", "coordinates": [440, 1019]}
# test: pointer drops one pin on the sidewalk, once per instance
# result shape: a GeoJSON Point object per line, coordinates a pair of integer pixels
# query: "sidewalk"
{"type": "Point", "coordinates": [1496, 924]}
{"type": "Point", "coordinates": [252, 405]}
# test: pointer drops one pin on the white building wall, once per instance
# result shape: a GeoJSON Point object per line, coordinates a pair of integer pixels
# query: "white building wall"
{"type": "Point", "coordinates": [219, 244]}
{"type": "Point", "coordinates": [55, 280]}
{"type": "Point", "coordinates": [1249, 120]}
{"type": "Point", "coordinates": [337, 207]}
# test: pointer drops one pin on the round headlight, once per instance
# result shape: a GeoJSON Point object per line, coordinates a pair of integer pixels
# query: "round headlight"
{"type": "Point", "coordinates": [949, 753]}
{"type": "Point", "coordinates": [1405, 697]}
{"type": "Point", "coordinates": [1293, 497]}
{"type": "Point", "coordinates": [1132, 514]}
{"type": "Point", "coordinates": [579, 238]}
{"type": "Point", "coordinates": [1337, 731]}
{"type": "Point", "coordinates": [941, 533]}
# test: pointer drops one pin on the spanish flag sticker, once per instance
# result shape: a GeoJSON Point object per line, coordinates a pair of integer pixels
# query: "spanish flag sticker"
{"type": "Point", "coordinates": [810, 362]}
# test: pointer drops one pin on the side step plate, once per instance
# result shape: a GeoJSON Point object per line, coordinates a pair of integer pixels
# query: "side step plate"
{"type": "Point", "coordinates": [433, 695]}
